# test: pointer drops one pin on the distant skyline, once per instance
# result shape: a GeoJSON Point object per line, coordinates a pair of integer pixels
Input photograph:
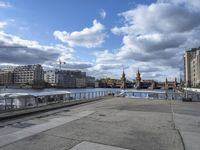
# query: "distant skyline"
{"type": "Point", "coordinates": [100, 36]}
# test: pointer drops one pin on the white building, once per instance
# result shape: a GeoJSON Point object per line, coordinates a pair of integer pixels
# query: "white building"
{"type": "Point", "coordinates": [50, 77]}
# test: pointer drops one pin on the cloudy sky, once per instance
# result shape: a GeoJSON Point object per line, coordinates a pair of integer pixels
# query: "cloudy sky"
{"type": "Point", "coordinates": [100, 37]}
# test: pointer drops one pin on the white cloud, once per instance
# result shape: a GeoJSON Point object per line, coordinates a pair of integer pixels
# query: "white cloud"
{"type": "Point", "coordinates": [3, 24]}
{"type": "Point", "coordinates": [160, 18]}
{"type": "Point", "coordinates": [103, 14]}
{"type": "Point", "coordinates": [101, 70]}
{"type": "Point", "coordinates": [105, 55]}
{"type": "Point", "coordinates": [193, 5]}
{"type": "Point", "coordinates": [5, 4]}
{"type": "Point", "coordinates": [104, 67]}
{"type": "Point", "coordinates": [158, 34]}
{"type": "Point", "coordinates": [89, 37]}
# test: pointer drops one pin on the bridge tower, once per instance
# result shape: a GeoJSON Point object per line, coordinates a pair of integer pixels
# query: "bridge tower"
{"type": "Point", "coordinates": [166, 84]}
{"type": "Point", "coordinates": [138, 80]}
{"type": "Point", "coordinates": [123, 80]}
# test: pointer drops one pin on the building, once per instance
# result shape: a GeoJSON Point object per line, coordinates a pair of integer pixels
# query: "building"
{"type": "Point", "coordinates": [70, 79]}
{"type": "Point", "coordinates": [96, 84]}
{"type": "Point", "coordinates": [7, 68]}
{"type": "Point", "coordinates": [65, 79]}
{"type": "Point", "coordinates": [6, 78]}
{"type": "Point", "coordinates": [109, 83]}
{"type": "Point", "coordinates": [28, 75]}
{"type": "Point", "coordinates": [90, 81]}
{"type": "Point", "coordinates": [80, 79]}
{"type": "Point", "coordinates": [192, 67]}
{"type": "Point", "coordinates": [50, 77]}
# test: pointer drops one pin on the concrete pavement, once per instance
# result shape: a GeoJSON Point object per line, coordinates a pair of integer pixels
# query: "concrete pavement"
{"type": "Point", "coordinates": [112, 124]}
{"type": "Point", "coordinates": [187, 120]}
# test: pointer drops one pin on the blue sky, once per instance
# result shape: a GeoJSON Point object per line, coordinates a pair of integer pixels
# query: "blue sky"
{"type": "Point", "coordinates": [100, 36]}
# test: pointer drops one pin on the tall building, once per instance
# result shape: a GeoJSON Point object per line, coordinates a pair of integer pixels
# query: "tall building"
{"type": "Point", "coordinates": [192, 67]}
{"type": "Point", "coordinates": [30, 74]}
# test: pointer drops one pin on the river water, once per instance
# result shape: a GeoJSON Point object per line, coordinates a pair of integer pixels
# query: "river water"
{"type": "Point", "coordinates": [11, 90]}
{"type": "Point", "coordinates": [19, 90]}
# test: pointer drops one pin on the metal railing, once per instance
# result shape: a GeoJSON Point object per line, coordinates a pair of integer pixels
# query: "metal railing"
{"type": "Point", "coordinates": [26, 102]}
{"type": "Point", "coordinates": [165, 95]}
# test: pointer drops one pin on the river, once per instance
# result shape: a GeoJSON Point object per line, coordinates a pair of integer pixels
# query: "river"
{"type": "Point", "coordinates": [19, 90]}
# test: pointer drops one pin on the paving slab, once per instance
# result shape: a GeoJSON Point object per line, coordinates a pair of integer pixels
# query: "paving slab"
{"type": "Point", "coordinates": [42, 142]}
{"type": "Point", "coordinates": [27, 132]}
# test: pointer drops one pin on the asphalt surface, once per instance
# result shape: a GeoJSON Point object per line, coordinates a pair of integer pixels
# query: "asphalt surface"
{"type": "Point", "coordinates": [111, 124]}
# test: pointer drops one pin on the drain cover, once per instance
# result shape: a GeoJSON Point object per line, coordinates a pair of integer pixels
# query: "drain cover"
{"type": "Point", "coordinates": [22, 125]}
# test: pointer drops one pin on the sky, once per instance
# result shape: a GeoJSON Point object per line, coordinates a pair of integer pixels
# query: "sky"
{"type": "Point", "coordinates": [100, 37]}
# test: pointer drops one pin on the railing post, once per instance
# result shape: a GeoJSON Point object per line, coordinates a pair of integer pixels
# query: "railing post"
{"type": "Point", "coordinates": [36, 101]}
{"type": "Point", "coordinates": [69, 96]}
{"type": "Point", "coordinates": [5, 103]}
{"type": "Point", "coordinates": [25, 102]}
{"type": "Point", "coordinates": [11, 103]}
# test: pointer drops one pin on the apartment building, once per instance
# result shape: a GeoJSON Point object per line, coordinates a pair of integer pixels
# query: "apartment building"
{"type": "Point", "coordinates": [6, 75]}
{"type": "Point", "coordinates": [6, 78]}
{"type": "Point", "coordinates": [30, 74]}
{"type": "Point", "coordinates": [192, 67]}
{"type": "Point", "coordinates": [66, 78]}
{"type": "Point", "coordinates": [50, 77]}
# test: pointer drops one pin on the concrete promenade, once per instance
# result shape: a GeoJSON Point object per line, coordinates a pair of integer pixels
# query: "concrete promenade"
{"type": "Point", "coordinates": [110, 124]}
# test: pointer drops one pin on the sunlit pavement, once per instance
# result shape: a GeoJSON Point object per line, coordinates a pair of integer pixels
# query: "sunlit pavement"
{"type": "Point", "coordinates": [111, 124]}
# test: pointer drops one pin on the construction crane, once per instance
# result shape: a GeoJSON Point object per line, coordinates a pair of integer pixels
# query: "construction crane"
{"type": "Point", "coordinates": [60, 64]}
